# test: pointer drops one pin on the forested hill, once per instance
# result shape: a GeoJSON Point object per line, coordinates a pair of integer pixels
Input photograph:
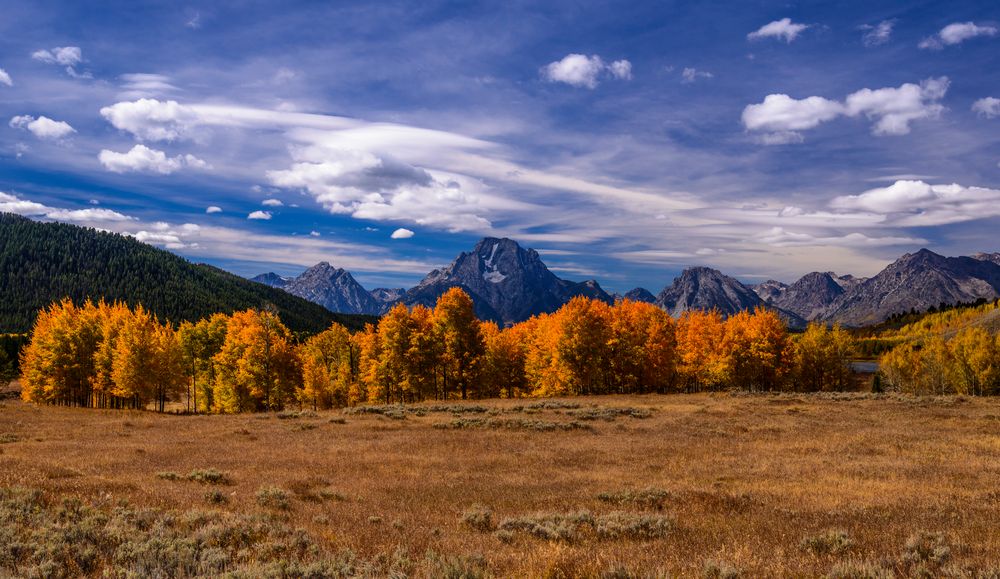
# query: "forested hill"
{"type": "Point", "coordinates": [44, 262]}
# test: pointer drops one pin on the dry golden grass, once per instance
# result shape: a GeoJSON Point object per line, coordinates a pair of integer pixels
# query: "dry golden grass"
{"type": "Point", "coordinates": [748, 479]}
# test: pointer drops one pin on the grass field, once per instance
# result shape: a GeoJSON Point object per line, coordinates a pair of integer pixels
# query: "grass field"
{"type": "Point", "coordinates": [692, 485]}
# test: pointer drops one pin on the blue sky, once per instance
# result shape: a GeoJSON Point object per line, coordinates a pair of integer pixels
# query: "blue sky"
{"type": "Point", "coordinates": [622, 141]}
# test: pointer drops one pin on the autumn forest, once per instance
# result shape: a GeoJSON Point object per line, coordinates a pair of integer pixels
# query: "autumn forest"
{"type": "Point", "coordinates": [112, 356]}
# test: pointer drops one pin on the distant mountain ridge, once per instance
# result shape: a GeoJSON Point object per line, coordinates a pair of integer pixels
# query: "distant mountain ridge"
{"type": "Point", "coordinates": [509, 284]}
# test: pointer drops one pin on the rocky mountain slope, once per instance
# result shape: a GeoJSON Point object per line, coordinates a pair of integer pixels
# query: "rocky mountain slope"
{"type": "Point", "coordinates": [916, 281]}
{"type": "Point", "coordinates": [703, 288]}
{"type": "Point", "coordinates": [640, 294]}
{"type": "Point", "coordinates": [507, 282]}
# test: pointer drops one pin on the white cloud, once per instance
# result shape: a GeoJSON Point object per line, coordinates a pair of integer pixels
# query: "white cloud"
{"type": "Point", "coordinates": [213, 209]}
{"type": "Point", "coordinates": [689, 75]}
{"type": "Point", "coordinates": [879, 34]}
{"type": "Point", "coordinates": [42, 127]}
{"type": "Point", "coordinates": [781, 117]}
{"type": "Point", "coordinates": [957, 33]}
{"type": "Point", "coordinates": [87, 215]}
{"type": "Point", "coordinates": [621, 69]}
{"type": "Point", "coordinates": [5, 78]}
{"type": "Point", "coordinates": [382, 188]}
{"type": "Point", "coordinates": [68, 56]}
{"type": "Point", "coordinates": [14, 204]}
{"type": "Point", "coordinates": [142, 159]}
{"type": "Point", "coordinates": [260, 215]}
{"type": "Point", "coordinates": [401, 233]}
{"type": "Point", "coordinates": [917, 203]}
{"type": "Point", "coordinates": [988, 107]}
{"type": "Point", "coordinates": [272, 203]}
{"type": "Point", "coordinates": [783, 29]}
{"type": "Point", "coordinates": [62, 55]}
{"type": "Point", "coordinates": [580, 70]}
{"type": "Point", "coordinates": [142, 85]}
{"type": "Point", "coordinates": [895, 108]}
{"type": "Point", "coordinates": [779, 237]}
{"type": "Point", "coordinates": [152, 120]}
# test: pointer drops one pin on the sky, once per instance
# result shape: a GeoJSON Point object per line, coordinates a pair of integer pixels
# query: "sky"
{"type": "Point", "coordinates": [622, 141]}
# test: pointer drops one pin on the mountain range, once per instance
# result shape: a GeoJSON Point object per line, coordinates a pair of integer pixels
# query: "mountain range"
{"type": "Point", "coordinates": [509, 284]}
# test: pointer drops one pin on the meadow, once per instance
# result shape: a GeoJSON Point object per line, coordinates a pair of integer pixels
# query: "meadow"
{"type": "Point", "coordinates": [695, 485]}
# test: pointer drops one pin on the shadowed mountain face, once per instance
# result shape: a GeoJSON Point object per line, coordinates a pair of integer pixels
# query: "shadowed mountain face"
{"type": "Point", "coordinates": [811, 296]}
{"type": "Point", "coordinates": [769, 290]}
{"type": "Point", "coordinates": [703, 288]}
{"type": "Point", "coordinates": [333, 288]}
{"type": "Point", "coordinates": [507, 282]}
{"type": "Point", "coordinates": [272, 279]}
{"type": "Point", "coordinates": [640, 294]}
{"type": "Point", "coordinates": [917, 281]}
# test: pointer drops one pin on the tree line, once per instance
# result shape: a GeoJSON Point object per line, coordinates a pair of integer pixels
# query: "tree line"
{"type": "Point", "coordinates": [115, 356]}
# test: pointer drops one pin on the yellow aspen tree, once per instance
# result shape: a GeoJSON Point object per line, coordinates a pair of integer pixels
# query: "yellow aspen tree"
{"type": "Point", "coordinates": [757, 350]}
{"type": "Point", "coordinates": [700, 360]}
{"type": "Point", "coordinates": [461, 341]}
{"type": "Point", "coordinates": [823, 359]}
{"type": "Point", "coordinates": [975, 362]}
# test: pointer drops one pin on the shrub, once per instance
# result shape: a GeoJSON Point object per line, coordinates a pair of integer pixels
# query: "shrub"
{"type": "Point", "coordinates": [168, 475]}
{"type": "Point", "coordinates": [479, 517]}
{"type": "Point", "coordinates": [926, 547]}
{"type": "Point", "coordinates": [859, 570]}
{"type": "Point", "coordinates": [632, 526]}
{"type": "Point", "coordinates": [828, 543]}
{"type": "Point", "coordinates": [609, 414]}
{"type": "Point", "coordinates": [8, 438]}
{"type": "Point", "coordinates": [456, 567]}
{"type": "Point", "coordinates": [208, 476]}
{"type": "Point", "coordinates": [719, 570]}
{"type": "Point", "coordinates": [216, 497]}
{"type": "Point", "coordinates": [273, 498]}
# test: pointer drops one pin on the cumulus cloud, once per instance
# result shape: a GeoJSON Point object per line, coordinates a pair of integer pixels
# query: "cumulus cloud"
{"type": "Point", "coordinates": [142, 159]}
{"type": "Point", "coordinates": [783, 29]}
{"type": "Point", "coordinates": [272, 203]}
{"type": "Point", "coordinates": [379, 187]}
{"type": "Point", "coordinates": [988, 107]}
{"type": "Point", "coordinates": [957, 33]}
{"type": "Point", "coordinates": [909, 203]}
{"type": "Point", "coordinates": [5, 78]}
{"type": "Point", "coordinates": [689, 75]}
{"type": "Point", "coordinates": [779, 237]}
{"type": "Point", "coordinates": [781, 117]}
{"type": "Point", "coordinates": [892, 109]}
{"type": "Point", "coordinates": [621, 69]}
{"type": "Point", "coordinates": [152, 120]}
{"type": "Point", "coordinates": [260, 215]}
{"type": "Point", "coordinates": [878, 34]}
{"type": "Point", "coordinates": [42, 127]}
{"type": "Point", "coordinates": [213, 209]}
{"type": "Point", "coordinates": [401, 233]}
{"type": "Point", "coordinates": [580, 70]}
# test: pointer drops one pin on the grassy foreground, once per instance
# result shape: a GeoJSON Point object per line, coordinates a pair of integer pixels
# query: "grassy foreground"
{"type": "Point", "coordinates": [692, 485]}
